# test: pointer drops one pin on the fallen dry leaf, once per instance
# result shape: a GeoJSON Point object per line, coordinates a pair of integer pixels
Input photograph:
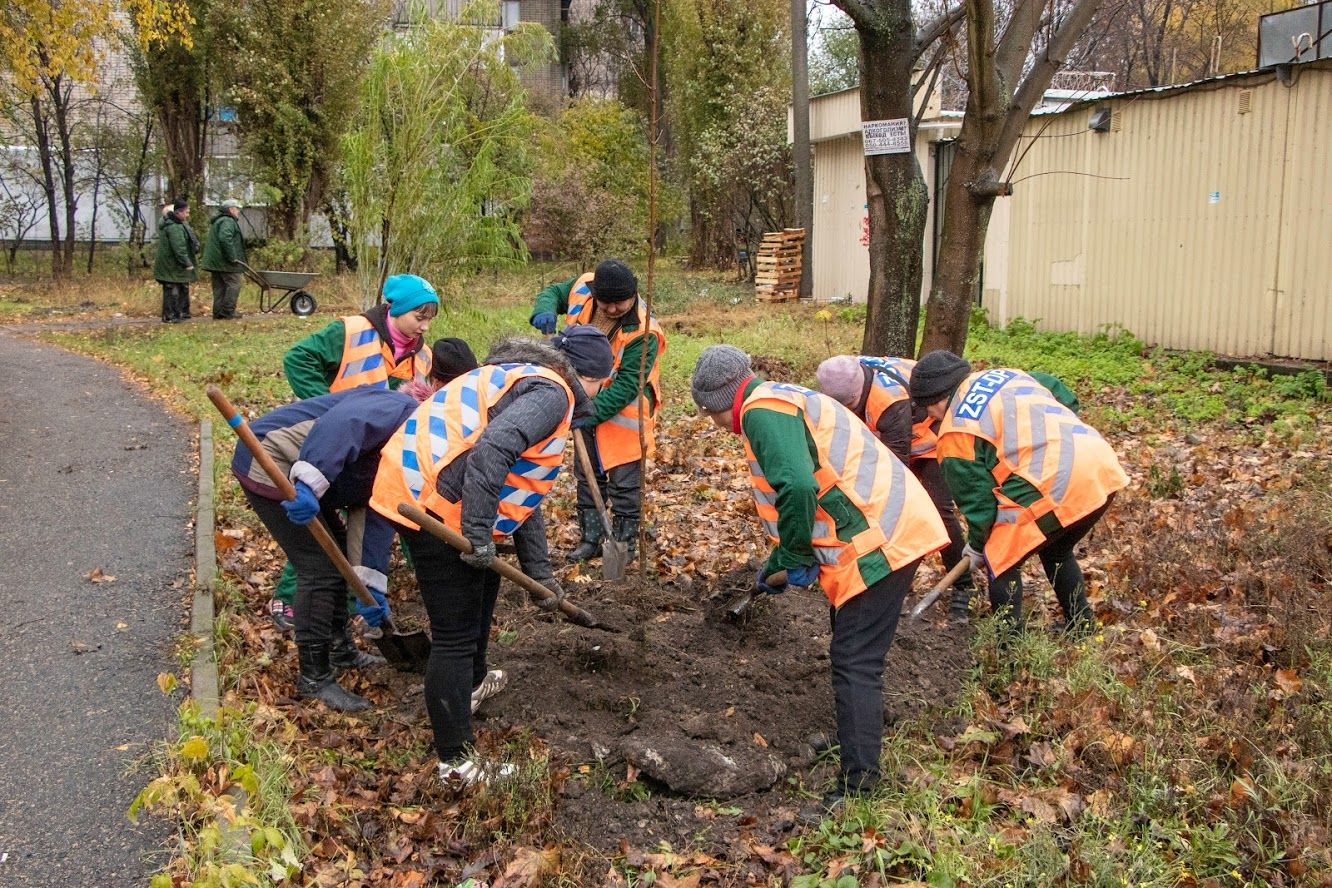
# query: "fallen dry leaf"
{"type": "Point", "coordinates": [96, 575]}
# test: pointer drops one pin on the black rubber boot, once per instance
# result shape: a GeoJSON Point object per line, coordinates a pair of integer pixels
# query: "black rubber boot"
{"type": "Point", "coordinates": [589, 522]}
{"type": "Point", "coordinates": [959, 608]}
{"type": "Point", "coordinates": [343, 654]}
{"type": "Point", "coordinates": [316, 681]}
{"type": "Point", "coordinates": [626, 531]}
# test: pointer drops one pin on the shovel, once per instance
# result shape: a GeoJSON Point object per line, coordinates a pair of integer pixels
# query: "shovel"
{"type": "Point", "coordinates": [572, 612]}
{"type": "Point", "coordinates": [407, 651]}
{"type": "Point", "coordinates": [740, 610]}
{"type": "Point", "coordinates": [614, 553]}
{"type": "Point", "coordinates": [933, 595]}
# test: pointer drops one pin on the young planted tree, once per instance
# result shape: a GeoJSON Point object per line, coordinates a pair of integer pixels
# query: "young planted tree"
{"type": "Point", "coordinates": [436, 162]}
{"type": "Point", "coordinates": [292, 70]}
{"type": "Point", "coordinates": [890, 47]}
{"type": "Point", "coordinates": [1010, 60]}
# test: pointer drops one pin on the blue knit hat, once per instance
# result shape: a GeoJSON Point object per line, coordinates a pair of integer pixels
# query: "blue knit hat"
{"type": "Point", "coordinates": [407, 292]}
{"type": "Point", "coordinates": [587, 349]}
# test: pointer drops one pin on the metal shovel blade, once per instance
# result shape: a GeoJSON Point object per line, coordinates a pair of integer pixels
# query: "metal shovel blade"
{"type": "Point", "coordinates": [405, 651]}
{"type": "Point", "coordinates": [614, 559]}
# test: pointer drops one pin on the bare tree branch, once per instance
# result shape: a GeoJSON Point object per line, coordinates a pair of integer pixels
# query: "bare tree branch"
{"type": "Point", "coordinates": [933, 30]}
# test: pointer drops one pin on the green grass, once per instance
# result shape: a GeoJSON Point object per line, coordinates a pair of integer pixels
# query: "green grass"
{"type": "Point", "coordinates": [229, 789]}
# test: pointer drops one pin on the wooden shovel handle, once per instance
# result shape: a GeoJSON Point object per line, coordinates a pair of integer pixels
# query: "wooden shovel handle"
{"type": "Point", "coordinates": [949, 579]}
{"type": "Point", "coordinates": [437, 528]}
{"type": "Point", "coordinates": [284, 486]}
{"type": "Point", "coordinates": [585, 463]}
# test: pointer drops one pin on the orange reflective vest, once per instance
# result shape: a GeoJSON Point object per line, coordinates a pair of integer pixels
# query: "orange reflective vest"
{"type": "Point", "coordinates": [1037, 439]}
{"type": "Point", "coordinates": [617, 437]}
{"type": "Point", "coordinates": [902, 521]}
{"type": "Point", "coordinates": [368, 360]}
{"type": "Point", "coordinates": [890, 385]}
{"type": "Point", "coordinates": [447, 426]}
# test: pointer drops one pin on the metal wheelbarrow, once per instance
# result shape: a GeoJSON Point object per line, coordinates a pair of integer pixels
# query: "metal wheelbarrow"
{"type": "Point", "coordinates": [291, 286]}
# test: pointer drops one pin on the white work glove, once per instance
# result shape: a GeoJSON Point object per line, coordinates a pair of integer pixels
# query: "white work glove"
{"type": "Point", "coordinates": [977, 558]}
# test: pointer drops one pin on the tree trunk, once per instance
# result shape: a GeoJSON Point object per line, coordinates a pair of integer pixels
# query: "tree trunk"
{"type": "Point", "coordinates": [60, 96]}
{"type": "Point", "coordinates": [895, 189]}
{"type": "Point", "coordinates": [804, 172]}
{"type": "Point", "coordinates": [961, 248]}
{"type": "Point", "coordinates": [43, 135]}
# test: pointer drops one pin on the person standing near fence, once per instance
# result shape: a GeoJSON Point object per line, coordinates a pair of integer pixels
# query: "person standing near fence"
{"type": "Point", "coordinates": [223, 251]}
{"type": "Point", "coordinates": [173, 268]}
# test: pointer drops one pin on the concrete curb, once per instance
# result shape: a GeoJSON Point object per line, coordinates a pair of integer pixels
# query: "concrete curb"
{"type": "Point", "coordinates": [203, 670]}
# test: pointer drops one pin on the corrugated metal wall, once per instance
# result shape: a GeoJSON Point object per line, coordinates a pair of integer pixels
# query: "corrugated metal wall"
{"type": "Point", "coordinates": [842, 265]}
{"type": "Point", "coordinates": [1200, 221]}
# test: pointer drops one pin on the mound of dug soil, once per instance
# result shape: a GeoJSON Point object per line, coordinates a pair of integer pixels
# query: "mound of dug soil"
{"type": "Point", "coordinates": [700, 706]}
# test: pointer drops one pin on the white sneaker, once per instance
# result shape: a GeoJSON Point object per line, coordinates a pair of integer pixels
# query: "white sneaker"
{"type": "Point", "coordinates": [494, 682]}
{"type": "Point", "coordinates": [470, 772]}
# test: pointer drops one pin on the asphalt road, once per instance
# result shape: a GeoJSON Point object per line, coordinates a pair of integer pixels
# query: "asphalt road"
{"type": "Point", "coordinates": [93, 475]}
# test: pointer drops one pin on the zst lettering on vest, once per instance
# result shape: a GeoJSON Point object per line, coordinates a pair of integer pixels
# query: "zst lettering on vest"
{"type": "Point", "coordinates": [980, 393]}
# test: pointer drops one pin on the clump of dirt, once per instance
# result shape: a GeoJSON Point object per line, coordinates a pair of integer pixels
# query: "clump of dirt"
{"type": "Point", "coordinates": [701, 706]}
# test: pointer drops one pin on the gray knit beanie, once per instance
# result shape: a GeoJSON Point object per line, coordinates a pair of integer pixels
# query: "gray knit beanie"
{"type": "Point", "coordinates": [936, 375]}
{"type": "Point", "coordinates": [718, 375]}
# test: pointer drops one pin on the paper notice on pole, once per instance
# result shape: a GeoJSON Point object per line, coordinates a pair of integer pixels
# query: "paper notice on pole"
{"type": "Point", "coordinates": [886, 136]}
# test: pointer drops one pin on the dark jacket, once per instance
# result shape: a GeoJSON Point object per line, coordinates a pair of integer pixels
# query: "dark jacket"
{"type": "Point", "coordinates": [177, 247]}
{"type": "Point", "coordinates": [331, 443]}
{"type": "Point", "coordinates": [225, 245]}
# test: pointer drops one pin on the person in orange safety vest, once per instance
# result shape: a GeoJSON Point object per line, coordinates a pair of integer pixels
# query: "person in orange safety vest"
{"type": "Point", "coordinates": [1029, 476]}
{"type": "Point", "coordinates": [841, 510]}
{"type": "Point", "coordinates": [383, 346]}
{"type": "Point", "coordinates": [877, 390]}
{"type": "Point", "coordinates": [607, 298]}
{"type": "Point", "coordinates": [480, 455]}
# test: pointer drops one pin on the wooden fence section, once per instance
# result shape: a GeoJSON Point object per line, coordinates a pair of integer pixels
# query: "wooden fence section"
{"type": "Point", "coordinates": [777, 278]}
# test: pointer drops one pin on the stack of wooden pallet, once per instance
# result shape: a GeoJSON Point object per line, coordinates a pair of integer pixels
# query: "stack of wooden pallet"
{"type": "Point", "coordinates": [777, 278]}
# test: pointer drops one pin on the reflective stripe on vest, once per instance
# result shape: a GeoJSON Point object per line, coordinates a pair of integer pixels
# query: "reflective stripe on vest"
{"type": "Point", "coordinates": [447, 426]}
{"type": "Point", "coordinates": [1037, 439]}
{"type": "Point", "coordinates": [885, 391]}
{"type": "Point", "coordinates": [617, 437]}
{"type": "Point", "coordinates": [902, 521]}
{"type": "Point", "coordinates": [368, 360]}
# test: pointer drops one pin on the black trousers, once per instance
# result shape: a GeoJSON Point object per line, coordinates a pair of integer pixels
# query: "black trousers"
{"type": "Point", "coordinates": [930, 475]}
{"type": "Point", "coordinates": [226, 290]}
{"type": "Point", "coordinates": [460, 601]}
{"type": "Point", "coordinates": [175, 301]}
{"type": "Point", "coordinates": [862, 632]}
{"type": "Point", "coordinates": [1061, 569]}
{"type": "Point", "coordinates": [621, 487]}
{"type": "Point", "coordinates": [319, 607]}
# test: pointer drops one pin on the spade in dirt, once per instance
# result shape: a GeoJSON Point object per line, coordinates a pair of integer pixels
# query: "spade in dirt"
{"type": "Point", "coordinates": [407, 651]}
{"type": "Point", "coordinates": [614, 553]}
{"type": "Point", "coordinates": [436, 528]}
{"type": "Point", "coordinates": [939, 588]}
{"type": "Point", "coordinates": [743, 607]}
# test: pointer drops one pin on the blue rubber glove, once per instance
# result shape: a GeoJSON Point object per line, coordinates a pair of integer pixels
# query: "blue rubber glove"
{"type": "Point", "coordinates": [304, 508]}
{"type": "Point", "coordinates": [544, 321]}
{"type": "Point", "coordinates": [583, 422]}
{"type": "Point", "coordinates": [763, 587]}
{"type": "Point", "coordinates": [804, 575]}
{"type": "Point", "coordinates": [374, 616]}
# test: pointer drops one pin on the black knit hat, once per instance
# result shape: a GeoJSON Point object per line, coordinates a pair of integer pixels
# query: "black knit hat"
{"type": "Point", "coordinates": [450, 358]}
{"type": "Point", "coordinates": [936, 375]}
{"type": "Point", "coordinates": [587, 349]}
{"type": "Point", "coordinates": [613, 282]}
{"type": "Point", "coordinates": [180, 203]}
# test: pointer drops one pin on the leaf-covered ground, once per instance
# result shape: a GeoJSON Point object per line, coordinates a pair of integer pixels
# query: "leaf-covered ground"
{"type": "Point", "coordinates": [1189, 742]}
